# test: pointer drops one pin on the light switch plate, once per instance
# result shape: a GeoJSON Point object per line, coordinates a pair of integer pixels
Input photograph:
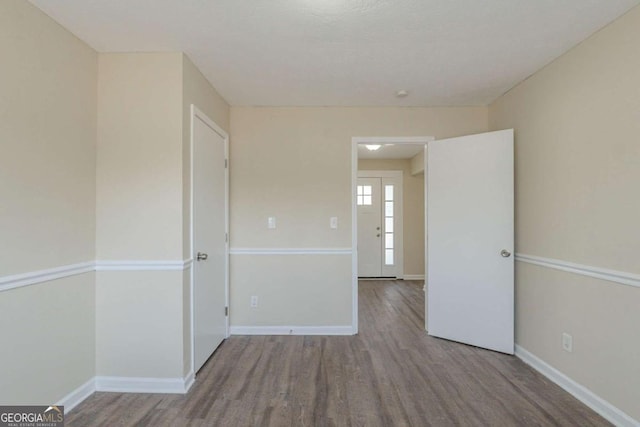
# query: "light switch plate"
{"type": "Point", "coordinates": [333, 222]}
{"type": "Point", "coordinates": [271, 222]}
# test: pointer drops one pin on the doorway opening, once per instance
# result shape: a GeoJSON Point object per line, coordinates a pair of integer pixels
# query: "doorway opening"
{"type": "Point", "coordinates": [468, 211]}
{"type": "Point", "coordinates": [388, 219]}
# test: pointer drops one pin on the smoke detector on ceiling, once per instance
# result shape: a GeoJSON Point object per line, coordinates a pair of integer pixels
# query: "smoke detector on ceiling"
{"type": "Point", "coordinates": [402, 93]}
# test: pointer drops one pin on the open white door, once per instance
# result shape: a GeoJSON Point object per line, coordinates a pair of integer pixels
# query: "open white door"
{"type": "Point", "coordinates": [470, 240]}
{"type": "Point", "coordinates": [210, 277]}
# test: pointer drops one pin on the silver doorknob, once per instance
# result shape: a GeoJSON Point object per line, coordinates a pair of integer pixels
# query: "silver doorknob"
{"type": "Point", "coordinates": [505, 253]}
{"type": "Point", "coordinates": [201, 256]}
{"type": "Point", "coordinates": [377, 228]}
{"type": "Point", "coordinates": [378, 235]}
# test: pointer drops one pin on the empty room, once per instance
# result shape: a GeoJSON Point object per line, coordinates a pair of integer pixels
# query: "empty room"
{"type": "Point", "coordinates": [320, 212]}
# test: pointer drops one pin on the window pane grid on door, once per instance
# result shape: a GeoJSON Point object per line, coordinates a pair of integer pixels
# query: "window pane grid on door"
{"type": "Point", "coordinates": [388, 225]}
{"type": "Point", "coordinates": [364, 195]}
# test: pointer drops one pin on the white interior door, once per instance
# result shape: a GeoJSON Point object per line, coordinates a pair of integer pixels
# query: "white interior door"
{"type": "Point", "coordinates": [368, 201]}
{"type": "Point", "coordinates": [470, 240]}
{"type": "Point", "coordinates": [209, 238]}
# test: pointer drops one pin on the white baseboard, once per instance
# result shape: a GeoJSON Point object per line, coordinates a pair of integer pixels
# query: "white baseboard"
{"type": "Point", "coordinates": [586, 396]}
{"type": "Point", "coordinates": [291, 330]}
{"type": "Point", "coordinates": [144, 385]}
{"type": "Point", "coordinates": [413, 277]}
{"type": "Point", "coordinates": [126, 385]}
{"type": "Point", "coordinates": [72, 399]}
{"type": "Point", "coordinates": [189, 380]}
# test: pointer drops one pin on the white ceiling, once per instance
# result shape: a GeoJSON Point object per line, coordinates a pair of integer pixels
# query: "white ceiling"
{"type": "Point", "coordinates": [390, 151]}
{"type": "Point", "coordinates": [346, 52]}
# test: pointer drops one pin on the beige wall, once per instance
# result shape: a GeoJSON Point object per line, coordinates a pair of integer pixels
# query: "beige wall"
{"type": "Point", "coordinates": [186, 322]}
{"type": "Point", "coordinates": [412, 207]}
{"type": "Point", "coordinates": [48, 116]}
{"type": "Point", "coordinates": [417, 164]}
{"type": "Point", "coordinates": [139, 167]}
{"type": "Point", "coordinates": [139, 314]}
{"type": "Point", "coordinates": [295, 164]}
{"type": "Point", "coordinates": [197, 90]}
{"type": "Point", "coordinates": [577, 173]}
{"type": "Point", "coordinates": [139, 324]}
{"type": "Point", "coordinates": [47, 205]}
{"type": "Point", "coordinates": [48, 336]}
{"type": "Point", "coordinates": [292, 290]}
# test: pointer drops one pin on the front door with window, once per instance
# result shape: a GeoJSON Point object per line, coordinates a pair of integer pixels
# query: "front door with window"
{"type": "Point", "coordinates": [378, 202]}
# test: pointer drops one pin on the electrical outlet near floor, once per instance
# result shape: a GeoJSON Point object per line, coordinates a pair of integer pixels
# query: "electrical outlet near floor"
{"type": "Point", "coordinates": [254, 301]}
{"type": "Point", "coordinates": [567, 342]}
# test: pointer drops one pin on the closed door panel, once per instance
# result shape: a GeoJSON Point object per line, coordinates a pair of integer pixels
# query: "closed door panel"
{"type": "Point", "coordinates": [209, 241]}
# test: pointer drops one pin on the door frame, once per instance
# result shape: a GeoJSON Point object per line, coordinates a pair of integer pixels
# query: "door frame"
{"type": "Point", "coordinates": [398, 213]}
{"type": "Point", "coordinates": [355, 141]}
{"type": "Point", "coordinates": [197, 113]}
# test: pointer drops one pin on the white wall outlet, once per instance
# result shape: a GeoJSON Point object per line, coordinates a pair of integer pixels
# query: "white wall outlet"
{"type": "Point", "coordinates": [254, 301]}
{"type": "Point", "coordinates": [567, 342]}
{"type": "Point", "coordinates": [333, 222]}
{"type": "Point", "coordinates": [271, 222]}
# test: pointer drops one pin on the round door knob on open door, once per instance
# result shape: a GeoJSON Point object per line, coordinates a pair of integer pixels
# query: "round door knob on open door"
{"type": "Point", "coordinates": [201, 256]}
{"type": "Point", "coordinates": [505, 253]}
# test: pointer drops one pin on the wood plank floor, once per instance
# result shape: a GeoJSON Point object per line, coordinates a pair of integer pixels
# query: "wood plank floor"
{"type": "Point", "coordinates": [391, 374]}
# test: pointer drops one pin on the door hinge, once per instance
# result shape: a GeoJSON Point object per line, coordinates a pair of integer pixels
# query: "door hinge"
{"type": "Point", "coordinates": [226, 311]}
{"type": "Point", "coordinates": [226, 237]}
{"type": "Point", "coordinates": [226, 163]}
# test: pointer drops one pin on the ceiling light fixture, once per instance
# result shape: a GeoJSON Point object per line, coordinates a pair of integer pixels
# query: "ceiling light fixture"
{"type": "Point", "coordinates": [373, 147]}
{"type": "Point", "coordinates": [402, 93]}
